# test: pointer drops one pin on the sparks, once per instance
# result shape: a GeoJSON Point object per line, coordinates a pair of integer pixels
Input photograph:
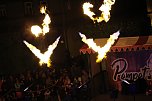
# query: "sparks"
{"type": "Point", "coordinates": [102, 51]}
{"type": "Point", "coordinates": [105, 9]}
{"type": "Point", "coordinates": [44, 58]}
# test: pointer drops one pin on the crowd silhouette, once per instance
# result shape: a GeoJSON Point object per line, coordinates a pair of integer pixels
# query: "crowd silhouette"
{"type": "Point", "coordinates": [46, 84]}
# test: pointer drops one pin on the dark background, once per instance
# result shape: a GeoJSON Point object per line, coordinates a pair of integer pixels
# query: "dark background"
{"type": "Point", "coordinates": [128, 16]}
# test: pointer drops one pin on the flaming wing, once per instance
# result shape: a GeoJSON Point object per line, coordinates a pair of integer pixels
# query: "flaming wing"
{"type": "Point", "coordinates": [34, 49]}
{"type": "Point", "coordinates": [44, 57]}
{"type": "Point", "coordinates": [100, 50]}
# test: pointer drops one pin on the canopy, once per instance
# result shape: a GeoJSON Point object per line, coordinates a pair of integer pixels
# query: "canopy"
{"type": "Point", "coordinates": [123, 44]}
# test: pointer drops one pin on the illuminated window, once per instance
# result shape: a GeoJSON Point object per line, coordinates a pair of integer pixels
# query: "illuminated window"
{"type": "Point", "coordinates": [2, 11]}
{"type": "Point", "coordinates": [28, 8]}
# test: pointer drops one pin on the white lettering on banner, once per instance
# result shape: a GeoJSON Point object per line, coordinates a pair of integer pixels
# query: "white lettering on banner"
{"type": "Point", "coordinates": [120, 66]}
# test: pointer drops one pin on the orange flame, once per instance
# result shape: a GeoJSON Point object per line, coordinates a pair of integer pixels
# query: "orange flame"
{"type": "Point", "coordinates": [36, 30]}
{"type": "Point", "coordinates": [102, 51]}
{"type": "Point", "coordinates": [105, 9]}
{"type": "Point", "coordinates": [44, 57]}
{"type": "Point", "coordinates": [87, 10]}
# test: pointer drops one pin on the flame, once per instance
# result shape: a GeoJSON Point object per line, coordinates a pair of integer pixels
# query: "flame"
{"type": "Point", "coordinates": [43, 9]}
{"type": "Point", "coordinates": [100, 50]}
{"type": "Point", "coordinates": [45, 24]}
{"type": "Point", "coordinates": [105, 9]}
{"type": "Point", "coordinates": [87, 10]}
{"type": "Point", "coordinates": [36, 30]}
{"type": "Point", "coordinates": [44, 57]}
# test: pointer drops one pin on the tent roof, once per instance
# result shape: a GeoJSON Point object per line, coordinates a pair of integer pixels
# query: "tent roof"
{"type": "Point", "coordinates": [123, 44]}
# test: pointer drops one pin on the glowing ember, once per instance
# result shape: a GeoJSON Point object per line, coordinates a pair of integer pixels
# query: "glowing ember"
{"type": "Point", "coordinates": [36, 30]}
{"type": "Point", "coordinates": [100, 50]}
{"type": "Point", "coordinates": [44, 57]}
{"type": "Point", "coordinates": [105, 9]}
